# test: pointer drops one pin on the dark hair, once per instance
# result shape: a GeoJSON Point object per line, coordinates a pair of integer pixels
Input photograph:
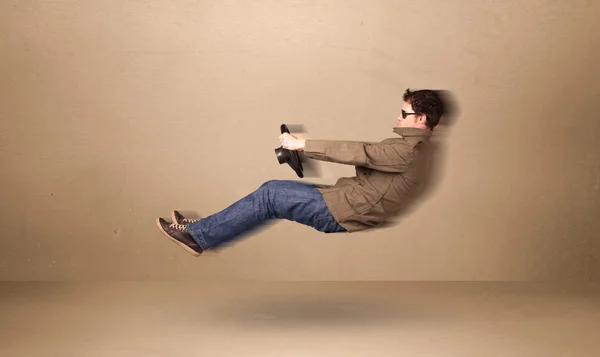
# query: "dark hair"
{"type": "Point", "coordinates": [426, 102]}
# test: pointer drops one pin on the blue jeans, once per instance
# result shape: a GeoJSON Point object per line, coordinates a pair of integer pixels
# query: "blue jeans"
{"type": "Point", "coordinates": [278, 199]}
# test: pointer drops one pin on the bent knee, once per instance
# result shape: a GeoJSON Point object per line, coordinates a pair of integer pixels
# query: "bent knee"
{"type": "Point", "coordinates": [271, 184]}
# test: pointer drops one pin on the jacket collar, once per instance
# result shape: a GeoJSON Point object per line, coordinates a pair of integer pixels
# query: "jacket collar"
{"type": "Point", "coordinates": [412, 132]}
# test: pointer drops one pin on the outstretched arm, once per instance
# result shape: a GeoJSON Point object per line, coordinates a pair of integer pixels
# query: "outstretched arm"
{"type": "Point", "coordinates": [389, 157]}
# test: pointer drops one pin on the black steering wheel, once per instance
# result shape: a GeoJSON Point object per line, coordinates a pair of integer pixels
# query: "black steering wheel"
{"type": "Point", "coordinates": [290, 157]}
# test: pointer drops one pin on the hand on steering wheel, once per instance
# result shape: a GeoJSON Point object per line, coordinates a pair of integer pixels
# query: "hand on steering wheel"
{"type": "Point", "coordinates": [290, 142]}
{"type": "Point", "coordinates": [289, 153]}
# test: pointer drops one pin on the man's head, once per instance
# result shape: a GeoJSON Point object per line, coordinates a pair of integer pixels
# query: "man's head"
{"type": "Point", "coordinates": [421, 109]}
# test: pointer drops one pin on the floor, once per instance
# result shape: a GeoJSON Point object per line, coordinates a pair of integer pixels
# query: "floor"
{"type": "Point", "coordinates": [299, 319]}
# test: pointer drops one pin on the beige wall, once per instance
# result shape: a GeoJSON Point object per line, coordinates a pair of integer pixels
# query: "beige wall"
{"type": "Point", "coordinates": [115, 112]}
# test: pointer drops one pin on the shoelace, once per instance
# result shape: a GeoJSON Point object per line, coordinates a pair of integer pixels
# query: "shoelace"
{"type": "Point", "coordinates": [188, 220]}
{"type": "Point", "coordinates": [179, 227]}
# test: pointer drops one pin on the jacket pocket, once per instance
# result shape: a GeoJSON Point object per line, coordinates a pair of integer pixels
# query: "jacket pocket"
{"type": "Point", "coordinates": [359, 200]}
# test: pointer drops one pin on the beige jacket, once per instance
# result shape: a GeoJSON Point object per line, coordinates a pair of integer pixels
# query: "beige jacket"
{"type": "Point", "coordinates": [388, 176]}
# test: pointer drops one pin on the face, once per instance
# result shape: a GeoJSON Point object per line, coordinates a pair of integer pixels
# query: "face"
{"type": "Point", "coordinates": [411, 120]}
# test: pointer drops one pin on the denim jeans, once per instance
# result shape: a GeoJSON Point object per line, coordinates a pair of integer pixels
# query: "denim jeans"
{"type": "Point", "coordinates": [277, 199]}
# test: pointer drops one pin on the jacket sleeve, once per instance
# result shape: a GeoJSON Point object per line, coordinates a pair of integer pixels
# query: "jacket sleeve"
{"type": "Point", "coordinates": [388, 156]}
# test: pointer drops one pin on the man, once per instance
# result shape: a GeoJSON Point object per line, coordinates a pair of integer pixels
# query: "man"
{"type": "Point", "coordinates": [389, 174]}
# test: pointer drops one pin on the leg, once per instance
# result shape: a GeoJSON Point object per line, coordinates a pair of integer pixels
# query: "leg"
{"type": "Point", "coordinates": [291, 200]}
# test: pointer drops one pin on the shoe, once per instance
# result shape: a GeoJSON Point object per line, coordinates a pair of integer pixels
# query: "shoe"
{"type": "Point", "coordinates": [178, 234]}
{"type": "Point", "coordinates": [180, 219]}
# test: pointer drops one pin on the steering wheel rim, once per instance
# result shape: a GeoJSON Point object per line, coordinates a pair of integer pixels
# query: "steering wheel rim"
{"type": "Point", "coordinates": [291, 157]}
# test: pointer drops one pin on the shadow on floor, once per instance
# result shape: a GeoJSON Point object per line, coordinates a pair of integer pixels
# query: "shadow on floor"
{"type": "Point", "coordinates": [294, 313]}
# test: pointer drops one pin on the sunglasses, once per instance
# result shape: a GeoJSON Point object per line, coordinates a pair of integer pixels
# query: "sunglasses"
{"type": "Point", "coordinates": [405, 114]}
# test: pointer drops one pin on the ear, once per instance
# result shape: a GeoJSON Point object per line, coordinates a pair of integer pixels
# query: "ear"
{"type": "Point", "coordinates": [422, 119]}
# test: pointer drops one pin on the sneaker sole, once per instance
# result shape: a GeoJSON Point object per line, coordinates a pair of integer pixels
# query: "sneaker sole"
{"type": "Point", "coordinates": [185, 247]}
